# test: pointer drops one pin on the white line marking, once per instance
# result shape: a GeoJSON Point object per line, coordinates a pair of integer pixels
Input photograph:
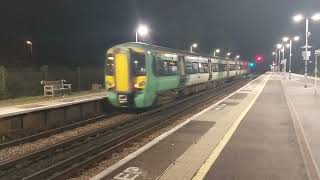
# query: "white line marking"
{"type": "Point", "coordinates": [159, 138]}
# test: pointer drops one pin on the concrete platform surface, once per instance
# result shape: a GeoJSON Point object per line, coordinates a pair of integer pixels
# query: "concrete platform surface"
{"type": "Point", "coordinates": [265, 145]}
{"type": "Point", "coordinates": [48, 104]}
{"type": "Point", "coordinates": [179, 153]}
{"type": "Point", "coordinates": [269, 129]}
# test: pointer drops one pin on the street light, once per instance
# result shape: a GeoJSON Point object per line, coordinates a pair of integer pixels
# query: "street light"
{"type": "Point", "coordinates": [274, 53]}
{"type": "Point", "coordinates": [194, 45]}
{"type": "Point", "coordinates": [29, 43]}
{"type": "Point", "coordinates": [279, 47]}
{"type": "Point", "coordinates": [296, 38]}
{"type": "Point", "coordinates": [298, 17]}
{"type": "Point", "coordinates": [306, 54]}
{"type": "Point", "coordinates": [142, 30]}
{"type": "Point", "coordinates": [289, 45]}
{"type": "Point", "coordinates": [316, 17]}
{"type": "Point", "coordinates": [216, 51]}
{"type": "Point", "coordinates": [228, 55]}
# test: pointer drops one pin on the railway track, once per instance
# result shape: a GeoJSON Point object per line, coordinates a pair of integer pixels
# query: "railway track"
{"type": "Point", "coordinates": [60, 160]}
{"type": "Point", "coordinates": [55, 131]}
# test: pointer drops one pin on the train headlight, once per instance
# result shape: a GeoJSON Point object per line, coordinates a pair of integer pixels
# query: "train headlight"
{"type": "Point", "coordinates": [140, 85]}
{"type": "Point", "coordinates": [110, 84]}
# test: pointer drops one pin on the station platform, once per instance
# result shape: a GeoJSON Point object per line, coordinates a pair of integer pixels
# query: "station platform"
{"type": "Point", "coordinates": [16, 107]}
{"type": "Point", "coordinates": [269, 129]}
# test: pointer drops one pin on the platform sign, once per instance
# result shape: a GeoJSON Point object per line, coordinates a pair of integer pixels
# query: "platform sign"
{"type": "Point", "coordinates": [306, 55]}
{"type": "Point", "coordinates": [317, 52]}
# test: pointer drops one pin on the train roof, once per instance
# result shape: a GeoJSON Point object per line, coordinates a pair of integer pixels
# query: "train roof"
{"type": "Point", "coordinates": [165, 49]}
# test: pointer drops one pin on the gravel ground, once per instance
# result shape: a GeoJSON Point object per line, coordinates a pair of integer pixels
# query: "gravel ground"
{"type": "Point", "coordinates": [16, 151]}
{"type": "Point", "coordinates": [98, 167]}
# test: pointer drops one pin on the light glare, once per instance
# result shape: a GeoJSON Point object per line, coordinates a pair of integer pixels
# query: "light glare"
{"type": "Point", "coordinates": [279, 46]}
{"type": "Point", "coordinates": [218, 50]}
{"type": "Point", "coordinates": [285, 39]}
{"type": "Point", "coordinates": [296, 38]}
{"type": "Point", "coordinates": [298, 17]}
{"type": "Point", "coordinates": [143, 30]}
{"type": "Point", "coordinates": [316, 17]}
{"type": "Point", "coordinates": [29, 42]}
{"type": "Point", "coordinates": [195, 45]}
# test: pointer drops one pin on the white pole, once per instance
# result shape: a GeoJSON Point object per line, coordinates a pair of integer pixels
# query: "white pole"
{"type": "Point", "coordinates": [136, 36]}
{"type": "Point", "coordinates": [284, 63]}
{"type": "Point", "coordinates": [290, 58]}
{"type": "Point", "coordinates": [315, 74]}
{"type": "Point", "coordinates": [306, 61]}
{"type": "Point", "coordinates": [191, 48]}
{"type": "Point", "coordinates": [276, 61]}
{"type": "Point", "coordinates": [279, 61]}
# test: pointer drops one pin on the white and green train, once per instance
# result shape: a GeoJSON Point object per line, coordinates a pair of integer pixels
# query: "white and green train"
{"type": "Point", "coordinates": [137, 73]}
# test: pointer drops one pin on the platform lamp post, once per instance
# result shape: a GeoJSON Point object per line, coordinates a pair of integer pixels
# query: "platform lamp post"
{"type": "Point", "coordinates": [283, 60]}
{"type": "Point", "coordinates": [274, 53]}
{"type": "Point", "coordinates": [29, 43]}
{"type": "Point", "coordinates": [194, 45]}
{"type": "Point", "coordinates": [306, 54]}
{"type": "Point", "coordinates": [279, 47]}
{"type": "Point", "coordinates": [286, 39]}
{"type": "Point", "coordinates": [228, 55]}
{"type": "Point", "coordinates": [317, 54]}
{"type": "Point", "coordinates": [216, 51]}
{"type": "Point", "coordinates": [142, 30]}
{"type": "Point", "coordinates": [237, 58]}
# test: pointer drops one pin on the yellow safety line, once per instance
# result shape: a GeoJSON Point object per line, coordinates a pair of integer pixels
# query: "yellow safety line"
{"type": "Point", "coordinates": [204, 169]}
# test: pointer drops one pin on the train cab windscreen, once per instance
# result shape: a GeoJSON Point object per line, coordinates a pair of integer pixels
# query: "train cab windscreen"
{"type": "Point", "coordinates": [138, 64]}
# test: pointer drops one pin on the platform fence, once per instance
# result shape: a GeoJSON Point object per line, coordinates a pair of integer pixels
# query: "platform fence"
{"type": "Point", "coordinates": [25, 81]}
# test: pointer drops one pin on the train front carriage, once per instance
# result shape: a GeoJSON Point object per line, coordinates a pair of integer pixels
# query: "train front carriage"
{"type": "Point", "coordinates": [126, 76]}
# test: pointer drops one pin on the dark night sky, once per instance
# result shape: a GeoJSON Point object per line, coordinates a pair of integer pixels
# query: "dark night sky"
{"type": "Point", "coordinates": [78, 31]}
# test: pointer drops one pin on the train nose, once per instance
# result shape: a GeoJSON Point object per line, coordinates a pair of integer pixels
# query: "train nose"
{"type": "Point", "coordinates": [122, 73]}
{"type": "Point", "coordinates": [122, 99]}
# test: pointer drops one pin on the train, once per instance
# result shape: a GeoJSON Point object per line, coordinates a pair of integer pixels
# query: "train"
{"type": "Point", "coordinates": [137, 74]}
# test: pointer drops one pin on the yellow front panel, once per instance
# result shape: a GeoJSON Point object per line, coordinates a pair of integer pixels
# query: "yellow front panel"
{"type": "Point", "coordinates": [109, 81]}
{"type": "Point", "coordinates": [140, 82]}
{"type": "Point", "coordinates": [122, 72]}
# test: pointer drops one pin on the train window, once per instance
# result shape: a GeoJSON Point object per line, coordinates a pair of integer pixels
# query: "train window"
{"type": "Point", "coordinates": [205, 67]}
{"type": "Point", "coordinates": [109, 65]}
{"type": "Point", "coordinates": [214, 67]}
{"type": "Point", "coordinates": [201, 70]}
{"type": "Point", "coordinates": [222, 67]}
{"type": "Point", "coordinates": [189, 68]}
{"type": "Point", "coordinates": [138, 64]}
{"type": "Point", "coordinates": [195, 67]}
{"type": "Point", "coordinates": [232, 67]}
{"type": "Point", "coordinates": [167, 67]}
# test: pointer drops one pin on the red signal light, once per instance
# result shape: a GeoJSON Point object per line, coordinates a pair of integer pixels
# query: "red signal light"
{"type": "Point", "coordinates": [259, 59]}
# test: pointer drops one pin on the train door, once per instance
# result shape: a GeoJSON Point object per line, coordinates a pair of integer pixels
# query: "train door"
{"type": "Point", "coordinates": [182, 70]}
{"type": "Point", "coordinates": [210, 69]}
{"type": "Point", "coordinates": [228, 68]}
